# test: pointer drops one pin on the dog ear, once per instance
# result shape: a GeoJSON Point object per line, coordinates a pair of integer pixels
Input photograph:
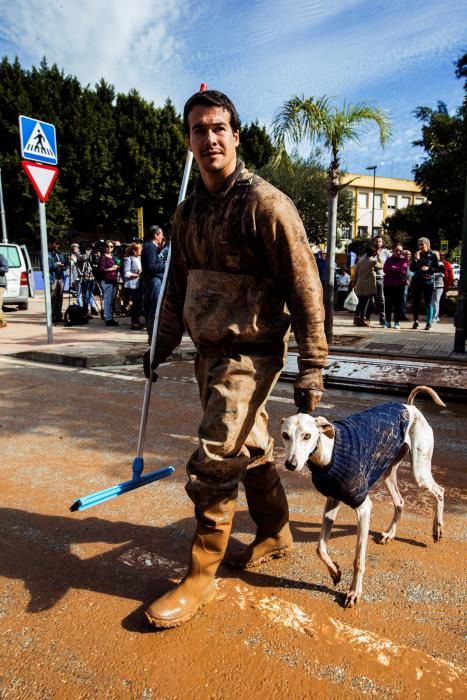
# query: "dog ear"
{"type": "Point", "coordinates": [325, 427]}
{"type": "Point", "coordinates": [282, 420]}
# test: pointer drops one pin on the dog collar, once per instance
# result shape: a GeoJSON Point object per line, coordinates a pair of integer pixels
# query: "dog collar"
{"type": "Point", "coordinates": [309, 463]}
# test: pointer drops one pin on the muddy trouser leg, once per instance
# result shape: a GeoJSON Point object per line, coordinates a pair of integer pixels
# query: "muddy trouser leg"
{"type": "Point", "coordinates": [233, 391]}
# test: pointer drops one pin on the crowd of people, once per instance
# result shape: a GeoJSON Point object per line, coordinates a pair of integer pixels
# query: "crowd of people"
{"type": "Point", "coordinates": [386, 282]}
{"type": "Point", "coordinates": [108, 278]}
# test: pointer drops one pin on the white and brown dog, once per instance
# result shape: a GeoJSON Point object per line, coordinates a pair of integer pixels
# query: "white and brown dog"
{"type": "Point", "coordinates": [346, 458]}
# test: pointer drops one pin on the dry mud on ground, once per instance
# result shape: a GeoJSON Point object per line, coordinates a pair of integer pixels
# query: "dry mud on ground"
{"type": "Point", "coordinates": [74, 589]}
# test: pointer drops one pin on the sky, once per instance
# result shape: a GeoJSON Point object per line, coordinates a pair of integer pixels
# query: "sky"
{"type": "Point", "coordinates": [396, 55]}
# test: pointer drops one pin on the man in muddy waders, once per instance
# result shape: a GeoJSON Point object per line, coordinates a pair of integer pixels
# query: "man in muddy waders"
{"type": "Point", "coordinates": [241, 273]}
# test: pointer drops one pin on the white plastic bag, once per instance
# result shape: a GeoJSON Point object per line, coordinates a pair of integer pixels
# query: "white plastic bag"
{"type": "Point", "coordinates": [351, 301]}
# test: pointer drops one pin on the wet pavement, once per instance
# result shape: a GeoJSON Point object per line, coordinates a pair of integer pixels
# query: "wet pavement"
{"type": "Point", "coordinates": [372, 358]}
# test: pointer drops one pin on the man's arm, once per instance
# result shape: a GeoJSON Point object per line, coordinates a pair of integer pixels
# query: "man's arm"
{"type": "Point", "coordinates": [294, 268]}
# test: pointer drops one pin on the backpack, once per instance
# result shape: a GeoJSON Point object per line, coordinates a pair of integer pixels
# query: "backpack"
{"type": "Point", "coordinates": [76, 316]}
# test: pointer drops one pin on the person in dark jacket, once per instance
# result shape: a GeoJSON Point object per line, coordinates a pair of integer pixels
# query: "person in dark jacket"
{"type": "Point", "coordinates": [57, 265]}
{"type": "Point", "coordinates": [424, 265]}
{"type": "Point", "coordinates": [3, 282]}
{"type": "Point", "coordinates": [152, 266]}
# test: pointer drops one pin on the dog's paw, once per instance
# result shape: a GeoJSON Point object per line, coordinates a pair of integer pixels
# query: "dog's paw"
{"type": "Point", "coordinates": [351, 599]}
{"type": "Point", "coordinates": [385, 538]}
{"type": "Point", "coordinates": [437, 532]}
{"type": "Point", "coordinates": [336, 575]}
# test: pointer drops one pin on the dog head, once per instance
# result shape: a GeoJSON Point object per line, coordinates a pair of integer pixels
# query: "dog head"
{"type": "Point", "coordinates": [301, 435]}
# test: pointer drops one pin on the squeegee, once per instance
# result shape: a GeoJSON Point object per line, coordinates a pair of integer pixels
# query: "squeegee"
{"type": "Point", "coordinates": [138, 479]}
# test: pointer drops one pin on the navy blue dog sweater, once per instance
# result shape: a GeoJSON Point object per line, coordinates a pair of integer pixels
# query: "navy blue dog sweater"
{"type": "Point", "coordinates": [365, 445]}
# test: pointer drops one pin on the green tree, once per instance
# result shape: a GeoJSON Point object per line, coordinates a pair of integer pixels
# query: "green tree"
{"type": "Point", "coordinates": [441, 175]}
{"type": "Point", "coordinates": [256, 147]}
{"type": "Point", "coordinates": [317, 120]}
{"type": "Point", "coordinates": [305, 182]}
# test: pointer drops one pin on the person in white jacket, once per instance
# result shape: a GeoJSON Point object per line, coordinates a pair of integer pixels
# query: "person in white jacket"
{"type": "Point", "coordinates": [132, 282]}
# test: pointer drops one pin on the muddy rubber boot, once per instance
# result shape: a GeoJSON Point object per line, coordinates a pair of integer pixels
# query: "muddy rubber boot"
{"type": "Point", "coordinates": [269, 509]}
{"type": "Point", "coordinates": [198, 587]}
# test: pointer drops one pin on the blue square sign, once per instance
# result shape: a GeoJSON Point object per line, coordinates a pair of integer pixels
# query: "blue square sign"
{"type": "Point", "coordinates": [38, 140]}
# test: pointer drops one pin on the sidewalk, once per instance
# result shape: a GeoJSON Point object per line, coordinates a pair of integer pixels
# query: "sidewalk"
{"type": "Point", "coordinates": [371, 358]}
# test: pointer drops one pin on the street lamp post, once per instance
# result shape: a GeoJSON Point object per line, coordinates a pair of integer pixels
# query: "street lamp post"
{"type": "Point", "coordinates": [373, 167]}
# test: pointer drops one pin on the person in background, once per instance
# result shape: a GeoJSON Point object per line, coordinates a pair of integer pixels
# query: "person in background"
{"type": "Point", "coordinates": [108, 269]}
{"type": "Point", "coordinates": [365, 286]}
{"type": "Point", "coordinates": [74, 273]}
{"type": "Point", "coordinates": [342, 284]}
{"type": "Point", "coordinates": [448, 280]}
{"type": "Point", "coordinates": [382, 254]}
{"type": "Point", "coordinates": [85, 265]}
{"type": "Point", "coordinates": [395, 276]}
{"type": "Point", "coordinates": [322, 263]}
{"type": "Point", "coordinates": [424, 265]}
{"type": "Point", "coordinates": [408, 280]}
{"type": "Point", "coordinates": [3, 283]}
{"type": "Point", "coordinates": [438, 287]}
{"type": "Point", "coordinates": [153, 271]}
{"type": "Point", "coordinates": [132, 282]}
{"type": "Point", "coordinates": [57, 265]}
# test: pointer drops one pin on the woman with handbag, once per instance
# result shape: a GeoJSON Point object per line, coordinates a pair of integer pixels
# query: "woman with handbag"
{"type": "Point", "coordinates": [132, 282]}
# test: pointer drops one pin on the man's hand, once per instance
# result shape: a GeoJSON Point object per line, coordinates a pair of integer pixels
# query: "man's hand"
{"type": "Point", "coordinates": [147, 368]}
{"type": "Point", "coordinates": [306, 400]}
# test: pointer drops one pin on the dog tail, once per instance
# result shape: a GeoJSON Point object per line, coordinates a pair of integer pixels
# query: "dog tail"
{"type": "Point", "coordinates": [425, 389]}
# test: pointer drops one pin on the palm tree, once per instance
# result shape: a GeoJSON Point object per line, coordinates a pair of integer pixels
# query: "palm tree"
{"type": "Point", "coordinates": [326, 125]}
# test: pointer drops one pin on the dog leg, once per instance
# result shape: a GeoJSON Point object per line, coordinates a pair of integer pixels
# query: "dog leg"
{"type": "Point", "coordinates": [422, 450]}
{"type": "Point", "coordinates": [391, 484]}
{"type": "Point", "coordinates": [330, 512]}
{"type": "Point", "coordinates": [363, 527]}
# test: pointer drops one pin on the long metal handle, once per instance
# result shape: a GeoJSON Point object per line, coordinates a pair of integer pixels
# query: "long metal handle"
{"type": "Point", "coordinates": [160, 300]}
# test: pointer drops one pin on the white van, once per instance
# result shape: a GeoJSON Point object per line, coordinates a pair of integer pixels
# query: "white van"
{"type": "Point", "coordinates": [20, 276]}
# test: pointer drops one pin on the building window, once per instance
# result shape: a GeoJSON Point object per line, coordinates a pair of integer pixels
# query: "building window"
{"type": "Point", "coordinates": [404, 202]}
{"type": "Point", "coordinates": [363, 200]}
{"type": "Point", "coordinates": [419, 200]}
{"type": "Point", "coordinates": [362, 232]}
{"type": "Point", "coordinates": [346, 233]}
{"type": "Point", "coordinates": [377, 231]}
{"type": "Point", "coordinates": [378, 201]}
{"type": "Point", "coordinates": [392, 202]}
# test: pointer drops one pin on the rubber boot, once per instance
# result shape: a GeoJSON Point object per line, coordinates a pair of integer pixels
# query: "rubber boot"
{"type": "Point", "coordinates": [269, 509]}
{"type": "Point", "coordinates": [214, 523]}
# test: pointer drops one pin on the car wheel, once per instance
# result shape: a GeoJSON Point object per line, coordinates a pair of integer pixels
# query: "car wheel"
{"type": "Point", "coordinates": [23, 306]}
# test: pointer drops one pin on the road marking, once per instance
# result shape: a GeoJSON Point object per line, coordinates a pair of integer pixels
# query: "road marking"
{"type": "Point", "coordinates": [37, 365]}
{"type": "Point", "coordinates": [114, 375]}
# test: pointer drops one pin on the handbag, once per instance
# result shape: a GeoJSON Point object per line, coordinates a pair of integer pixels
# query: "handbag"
{"type": "Point", "coordinates": [351, 301]}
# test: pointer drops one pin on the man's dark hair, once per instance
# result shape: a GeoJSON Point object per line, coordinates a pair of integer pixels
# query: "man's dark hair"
{"type": "Point", "coordinates": [211, 98]}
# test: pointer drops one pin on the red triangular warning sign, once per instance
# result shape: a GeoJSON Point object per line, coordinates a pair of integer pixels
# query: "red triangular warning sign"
{"type": "Point", "coordinates": [42, 178]}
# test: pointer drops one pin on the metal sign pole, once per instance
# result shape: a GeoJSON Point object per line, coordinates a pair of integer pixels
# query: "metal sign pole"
{"type": "Point", "coordinates": [45, 271]}
{"type": "Point", "coordinates": [2, 212]}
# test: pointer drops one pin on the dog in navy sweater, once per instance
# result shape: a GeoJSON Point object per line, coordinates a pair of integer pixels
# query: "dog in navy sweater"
{"type": "Point", "coordinates": [348, 456]}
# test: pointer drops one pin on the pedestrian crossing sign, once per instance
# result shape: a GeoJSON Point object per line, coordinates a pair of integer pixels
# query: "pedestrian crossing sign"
{"type": "Point", "coordinates": [38, 140]}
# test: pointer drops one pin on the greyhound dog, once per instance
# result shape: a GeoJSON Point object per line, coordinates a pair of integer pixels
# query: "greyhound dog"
{"type": "Point", "coordinates": [346, 458]}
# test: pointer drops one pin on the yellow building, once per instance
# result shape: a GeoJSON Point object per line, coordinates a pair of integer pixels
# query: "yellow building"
{"type": "Point", "coordinates": [375, 199]}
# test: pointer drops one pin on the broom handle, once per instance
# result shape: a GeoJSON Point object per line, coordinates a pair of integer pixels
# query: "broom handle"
{"type": "Point", "coordinates": [152, 353]}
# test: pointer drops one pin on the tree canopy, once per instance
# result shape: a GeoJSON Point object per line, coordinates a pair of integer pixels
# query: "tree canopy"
{"type": "Point", "coordinates": [441, 175]}
{"type": "Point", "coordinates": [116, 152]}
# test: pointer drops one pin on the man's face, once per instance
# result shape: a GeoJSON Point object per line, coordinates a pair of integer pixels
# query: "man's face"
{"type": "Point", "coordinates": [378, 243]}
{"type": "Point", "coordinates": [159, 238]}
{"type": "Point", "coordinates": [212, 140]}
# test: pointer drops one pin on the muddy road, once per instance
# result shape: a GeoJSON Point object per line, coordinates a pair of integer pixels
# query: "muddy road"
{"type": "Point", "coordinates": [73, 586]}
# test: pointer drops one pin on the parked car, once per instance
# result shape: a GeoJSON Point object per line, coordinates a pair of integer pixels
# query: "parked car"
{"type": "Point", "coordinates": [20, 277]}
{"type": "Point", "coordinates": [457, 273]}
